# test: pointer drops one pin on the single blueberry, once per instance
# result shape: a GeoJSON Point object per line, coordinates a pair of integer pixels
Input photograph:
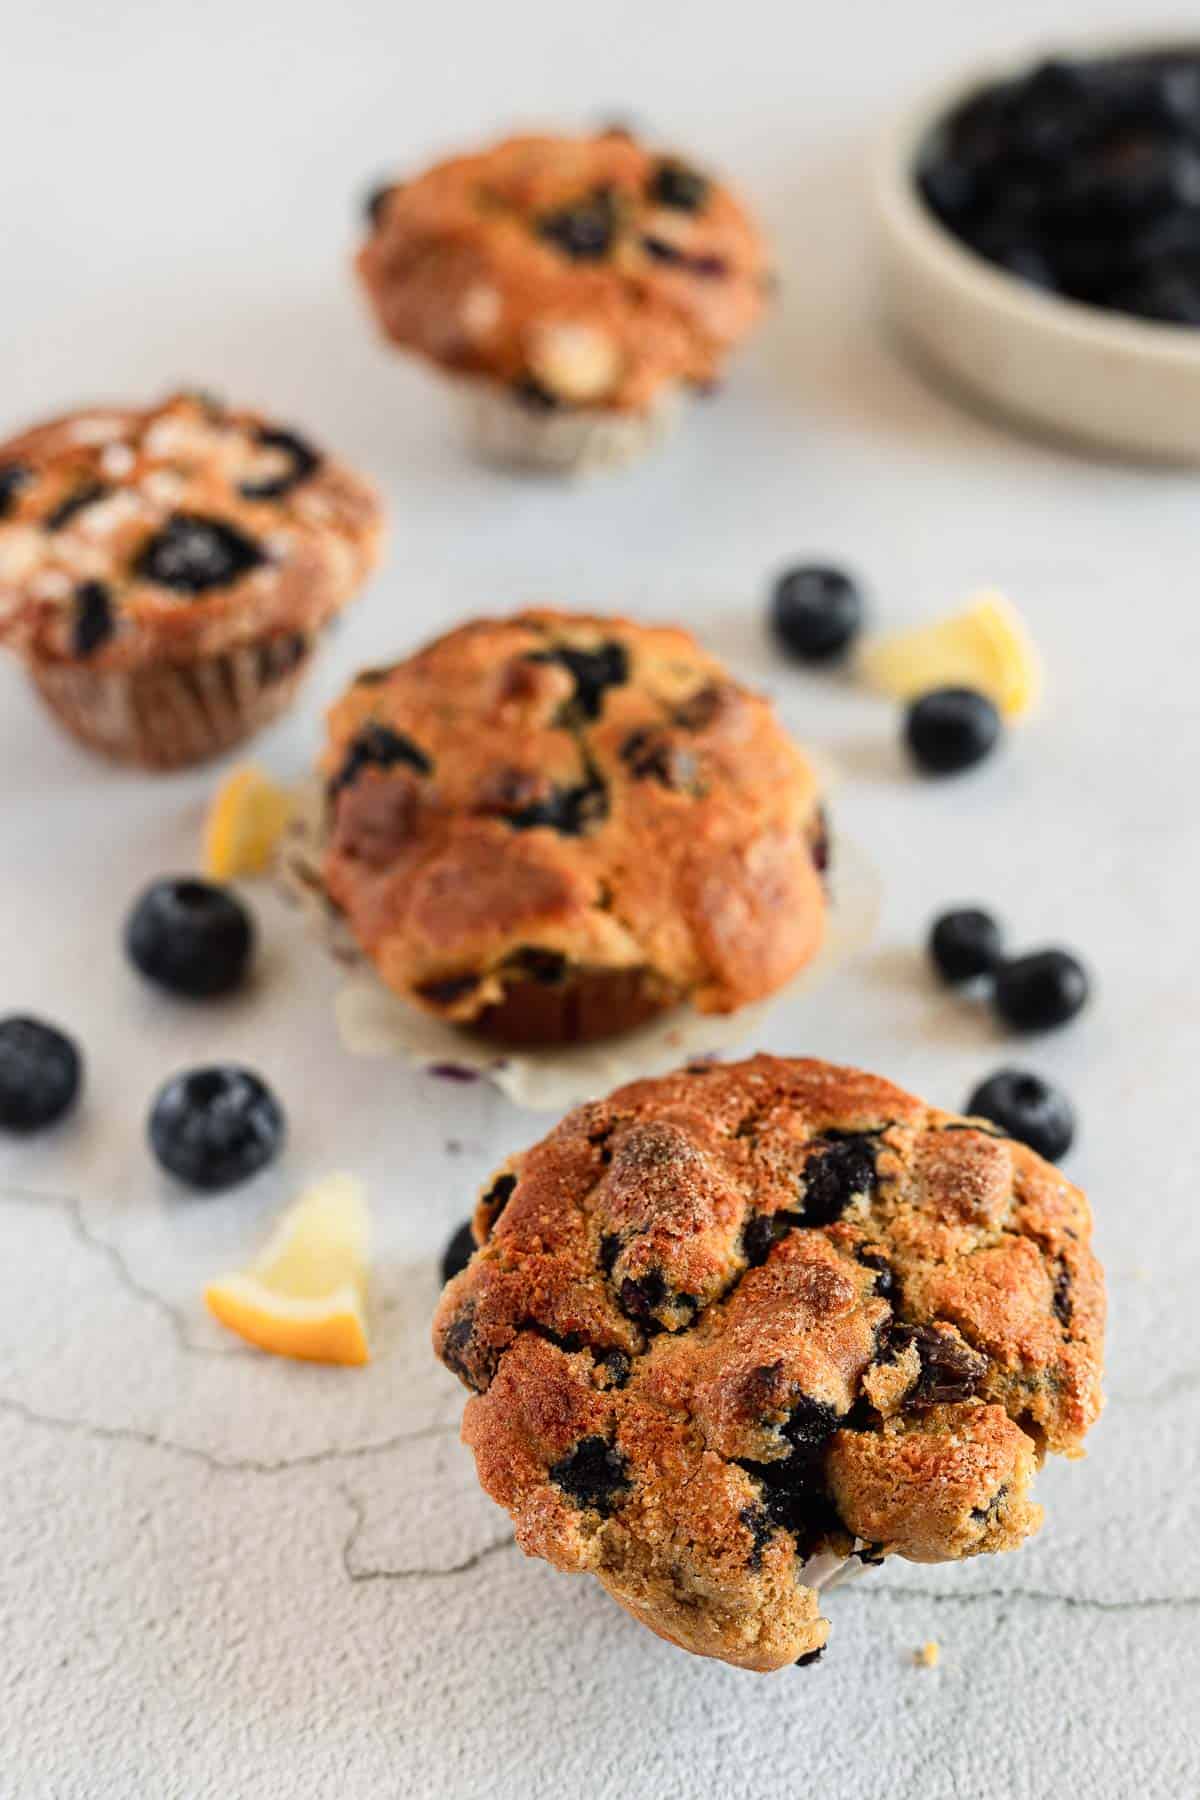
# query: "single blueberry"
{"type": "Point", "coordinates": [593, 672]}
{"type": "Point", "coordinates": [458, 1253]}
{"type": "Point", "coordinates": [375, 201]}
{"type": "Point", "coordinates": [529, 392]}
{"type": "Point", "coordinates": [1168, 295]}
{"type": "Point", "coordinates": [378, 746]}
{"type": "Point", "coordinates": [676, 185]}
{"type": "Point", "coordinates": [593, 1475]}
{"type": "Point", "coordinates": [965, 943]}
{"type": "Point", "coordinates": [40, 1074]}
{"type": "Point", "coordinates": [584, 231]}
{"type": "Point", "coordinates": [951, 1370]}
{"type": "Point", "coordinates": [214, 1127]}
{"type": "Point", "coordinates": [951, 729]}
{"type": "Point", "coordinates": [549, 968]}
{"type": "Point", "coordinates": [838, 1175]}
{"type": "Point", "coordinates": [1027, 1108]}
{"type": "Point", "coordinates": [13, 477]}
{"type": "Point", "coordinates": [816, 612]}
{"type": "Point", "coordinates": [192, 553]}
{"type": "Point", "coordinates": [300, 462]}
{"type": "Point", "coordinates": [190, 936]}
{"type": "Point", "coordinates": [569, 811]}
{"type": "Point", "coordinates": [1041, 990]}
{"type": "Point", "coordinates": [94, 623]}
{"type": "Point", "coordinates": [948, 185]}
{"type": "Point", "coordinates": [76, 501]}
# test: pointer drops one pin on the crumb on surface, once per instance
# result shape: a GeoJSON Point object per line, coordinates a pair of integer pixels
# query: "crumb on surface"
{"type": "Point", "coordinates": [929, 1655]}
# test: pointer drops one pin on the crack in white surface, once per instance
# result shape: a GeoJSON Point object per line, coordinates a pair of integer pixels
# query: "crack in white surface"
{"type": "Point", "coordinates": [71, 1207]}
{"type": "Point", "coordinates": [228, 1465]}
{"type": "Point", "coordinates": [359, 1573]}
{"type": "Point", "coordinates": [1043, 1596]}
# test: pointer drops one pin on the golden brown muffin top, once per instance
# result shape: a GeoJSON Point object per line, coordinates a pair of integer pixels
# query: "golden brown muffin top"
{"type": "Point", "coordinates": [746, 1315]}
{"type": "Point", "coordinates": [176, 531]}
{"type": "Point", "coordinates": [577, 271]}
{"type": "Point", "coordinates": [555, 791]}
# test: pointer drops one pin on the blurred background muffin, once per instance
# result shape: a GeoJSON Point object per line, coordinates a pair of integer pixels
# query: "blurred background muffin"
{"type": "Point", "coordinates": [165, 574]}
{"type": "Point", "coordinates": [577, 284]}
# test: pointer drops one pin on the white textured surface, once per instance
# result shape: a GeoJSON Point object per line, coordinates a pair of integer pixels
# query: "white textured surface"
{"type": "Point", "coordinates": [224, 1576]}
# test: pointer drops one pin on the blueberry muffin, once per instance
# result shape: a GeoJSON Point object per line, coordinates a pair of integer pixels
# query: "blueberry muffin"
{"type": "Point", "coordinates": [549, 828]}
{"type": "Point", "coordinates": [165, 574]}
{"type": "Point", "coordinates": [728, 1327]}
{"type": "Point", "coordinates": [577, 283]}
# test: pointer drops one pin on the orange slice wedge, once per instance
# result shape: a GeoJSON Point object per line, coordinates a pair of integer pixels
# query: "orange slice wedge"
{"type": "Point", "coordinates": [245, 823]}
{"type": "Point", "coordinates": [305, 1295]}
{"type": "Point", "coordinates": [985, 646]}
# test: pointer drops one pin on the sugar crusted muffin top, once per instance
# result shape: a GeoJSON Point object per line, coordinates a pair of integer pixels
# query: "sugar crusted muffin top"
{"type": "Point", "coordinates": [583, 271]}
{"type": "Point", "coordinates": [175, 531]}
{"type": "Point", "coordinates": [748, 1315]}
{"type": "Point", "coordinates": [553, 792]}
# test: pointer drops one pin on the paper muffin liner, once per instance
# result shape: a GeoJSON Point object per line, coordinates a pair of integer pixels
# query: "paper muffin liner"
{"type": "Point", "coordinates": [557, 440]}
{"type": "Point", "coordinates": [372, 1021]}
{"type": "Point", "coordinates": [169, 715]}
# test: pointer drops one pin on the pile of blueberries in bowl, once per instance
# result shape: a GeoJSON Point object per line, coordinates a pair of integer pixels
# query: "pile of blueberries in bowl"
{"type": "Point", "coordinates": [1081, 178]}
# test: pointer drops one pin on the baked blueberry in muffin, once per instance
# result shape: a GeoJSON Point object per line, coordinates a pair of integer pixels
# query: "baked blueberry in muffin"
{"type": "Point", "coordinates": [577, 283]}
{"type": "Point", "coordinates": [165, 574]}
{"type": "Point", "coordinates": [729, 1327]}
{"type": "Point", "coordinates": [551, 827]}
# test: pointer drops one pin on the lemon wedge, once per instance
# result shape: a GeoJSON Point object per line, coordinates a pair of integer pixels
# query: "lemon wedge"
{"type": "Point", "coordinates": [305, 1295]}
{"type": "Point", "coordinates": [985, 646]}
{"type": "Point", "coordinates": [245, 822]}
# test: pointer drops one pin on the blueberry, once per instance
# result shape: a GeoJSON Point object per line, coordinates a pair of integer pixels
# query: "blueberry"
{"type": "Point", "coordinates": [594, 1475]}
{"type": "Point", "coordinates": [593, 672]}
{"type": "Point", "coordinates": [951, 729]}
{"type": "Point", "coordinates": [529, 392]}
{"type": "Point", "coordinates": [816, 612]}
{"type": "Point", "coordinates": [214, 1127]}
{"type": "Point", "coordinates": [964, 944]}
{"type": "Point", "coordinates": [301, 462]}
{"type": "Point", "coordinates": [1039, 991]}
{"type": "Point", "coordinates": [948, 186]}
{"type": "Point", "coordinates": [1168, 295]}
{"type": "Point", "coordinates": [584, 231]}
{"type": "Point", "coordinates": [673, 184]}
{"type": "Point", "coordinates": [458, 1253]}
{"type": "Point", "coordinates": [950, 1370]}
{"type": "Point", "coordinates": [76, 501]}
{"type": "Point", "coordinates": [378, 746]}
{"type": "Point", "coordinates": [1028, 1109]}
{"type": "Point", "coordinates": [842, 1173]}
{"type": "Point", "coordinates": [192, 553]}
{"type": "Point", "coordinates": [375, 202]}
{"type": "Point", "coordinates": [570, 811]}
{"type": "Point", "coordinates": [94, 623]}
{"type": "Point", "coordinates": [190, 936]}
{"type": "Point", "coordinates": [40, 1074]}
{"type": "Point", "coordinates": [13, 477]}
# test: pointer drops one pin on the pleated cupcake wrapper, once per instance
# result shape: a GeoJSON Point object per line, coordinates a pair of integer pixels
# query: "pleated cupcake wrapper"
{"type": "Point", "coordinates": [169, 715]}
{"type": "Point", "coordinates": [564, 440]}
{"type": "Point", "coordinates": [373, 1021]}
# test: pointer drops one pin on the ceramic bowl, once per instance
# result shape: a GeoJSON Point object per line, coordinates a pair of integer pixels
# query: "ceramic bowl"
{"type": "Point", "coordinates": [1103, 379]}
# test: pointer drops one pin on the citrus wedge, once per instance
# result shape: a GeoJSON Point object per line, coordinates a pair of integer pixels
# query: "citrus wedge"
{"type": "Point", "coordinates": [305, 1295]}
{"type": "Point", "coordinates": [244, 824]}
{"type": "Point", "coordinates": [985, 646]}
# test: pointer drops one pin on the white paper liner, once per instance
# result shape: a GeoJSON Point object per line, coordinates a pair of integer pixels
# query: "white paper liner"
{"type": "Point", "coordinates": [829, 1571]}
{"type": "Point", "coordinates": [566, 440]}
{"type": "Point", "coordinates": [372, 1021]}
